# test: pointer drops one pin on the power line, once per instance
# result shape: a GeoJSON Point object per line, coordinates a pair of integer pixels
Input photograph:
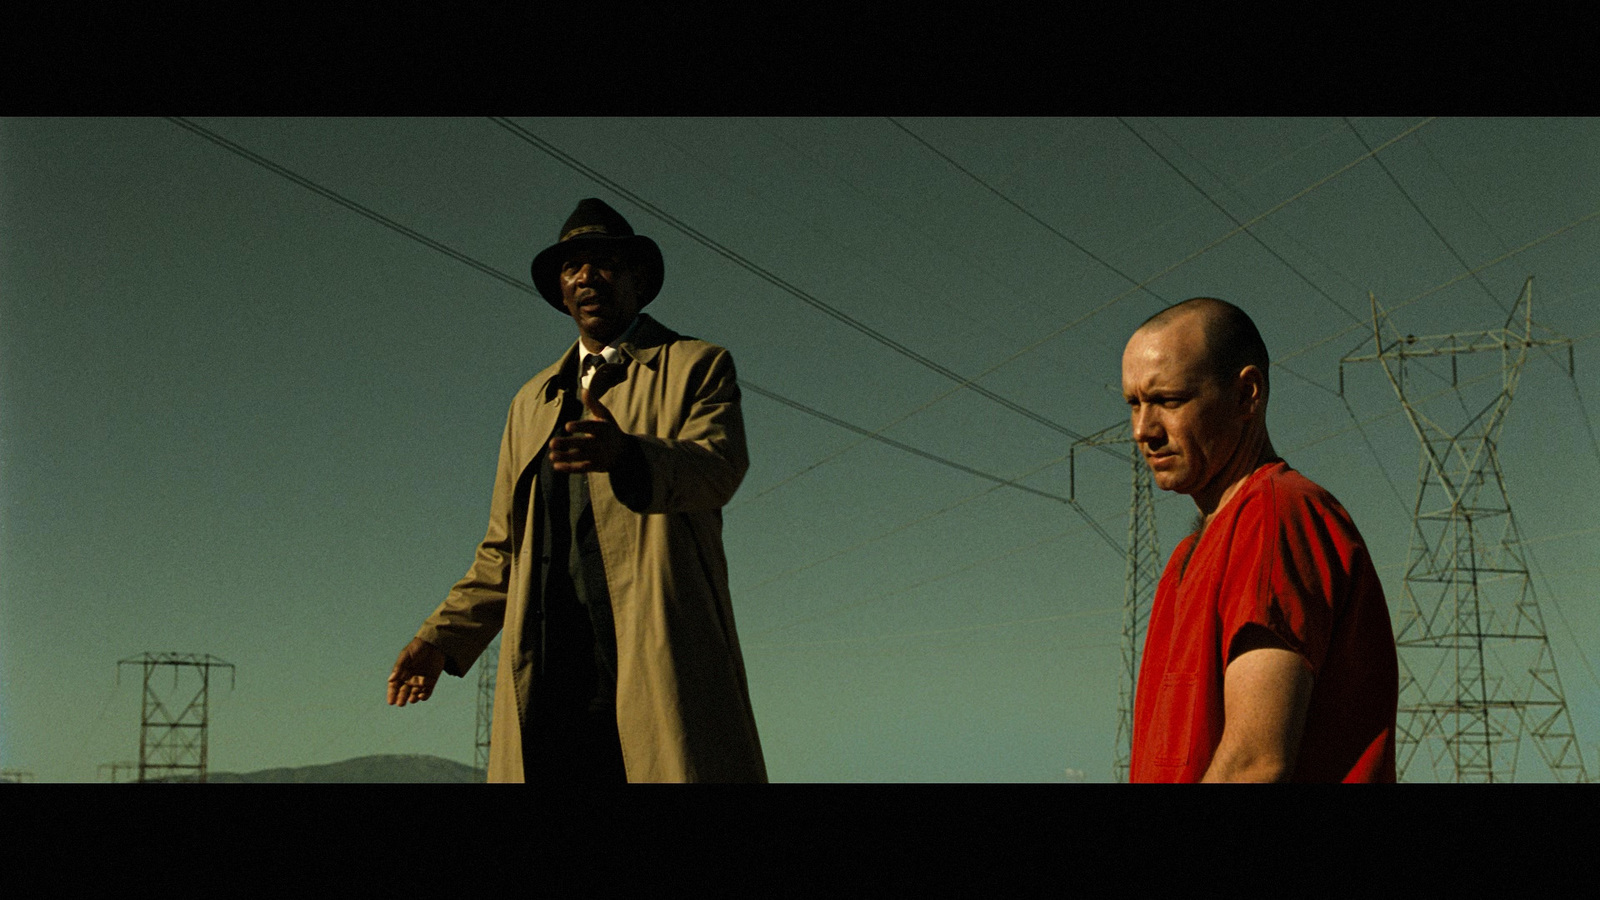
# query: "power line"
{"type": "Point", "coordinates": [1365, 439]}
{"type": "Point", "coordinates": [1465, 197]}
{"type": "Point", "coordinates": [913, 224]}
{"type": "Point", "coordinates": [1468, 604]}
{"type": "Point", "coordinates": [1429, 222]}
{"type": "Point", "coordinates": [1159, 275]}
{"type": "Point", "coordinates": [387, 222]}
{"type": "Point", "coordinates": [459, 256]}
{"type": "Point", "coordinates": [1235, 219]}
{"type": "Point", "coordinates": [381, 219]}
{"type": "Point", "coordinates": [489, 270]}
{"type": "Point", "coordinates": [1003, 482]}
{"type": "Point", "coordinates": [1447, 283]}
{"type": "Point", "coordinates": [828, 309]}
{"type": "Point", "coordinates": [926, 517]}
{"type": "Point", "coordinates": [775, 280]}
{"type": "Point", "coordinates": [898, 445]}
{"type": "Point", "coordinates": [866, 601]}
{"type": "Point", "coordinates": [1020, 208]}
{"type": "Point", "coordinates": [689, 231]}
{"type": "Point", "coordinates": [1432, 227]}
{"type": "Point", "coordinates": [1116, 299]}
{"type": "Point", "coordinates": [1275, 255]}
{"type": "Point", "coordinates": [1235, 187]}
{"type": "Point", "coordinates": [1179, 264]}
{"type": "Point", "coordinates": [882, 535]}
{"type": "Point", "coordinates": [349, 204]}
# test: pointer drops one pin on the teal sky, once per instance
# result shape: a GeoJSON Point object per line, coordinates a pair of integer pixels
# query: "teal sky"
{"type": "Point", "coordinates": [239, 418]}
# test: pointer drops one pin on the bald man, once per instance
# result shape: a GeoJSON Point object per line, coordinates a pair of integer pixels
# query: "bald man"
{"type": "Point", "coordinates": [1269, 655]}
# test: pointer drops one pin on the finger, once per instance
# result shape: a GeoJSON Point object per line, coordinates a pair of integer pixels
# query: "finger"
{"type": "Point", "coordinates": [575, 453]}
{"type": "Point", "coordinates": [580, 434]}
{"type": "Point", "coordinates": [396, 687]}
{"type": "Point", "coordinates": [587, 430]}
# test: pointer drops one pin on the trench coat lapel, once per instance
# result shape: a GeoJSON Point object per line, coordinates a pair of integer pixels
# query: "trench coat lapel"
{"type": "Point", "coordinates": [541, 418]}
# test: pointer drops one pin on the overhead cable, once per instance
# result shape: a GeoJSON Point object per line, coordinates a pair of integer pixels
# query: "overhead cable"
{"type": "Point", "coordinates": [1441, 286]}
{"type": "Point", "coordinates": [1185, 261]}
{"type": "Point", "coordinates": [1141, 285]}
{"type": "Point", "coordinates": [1365, 439]}
{"type": "Point", "coordinates": [1091, 313]}
{"type": "Point", "coordinates": [1235, 219]}
{"type": "Point", "coordinates": [1432, 227]}
{"type": "Point", "coordinates": [794, 404]}
{"type": "Point", "coordinates": [487, 269]}
{"type": "Point", "coordinates": [1019, 208]}
{"type": "Point", "coordinates": [349, 204]}
{"type": "Point", "coordinates": [771, 278]}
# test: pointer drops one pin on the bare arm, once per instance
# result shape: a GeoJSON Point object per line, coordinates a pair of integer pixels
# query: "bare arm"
{"type": "Point", "coordinates": [1266, 690]}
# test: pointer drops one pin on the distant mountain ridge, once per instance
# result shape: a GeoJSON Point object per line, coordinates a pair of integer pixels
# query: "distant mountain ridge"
{"type": "Point", "coordinates": [381, 769]}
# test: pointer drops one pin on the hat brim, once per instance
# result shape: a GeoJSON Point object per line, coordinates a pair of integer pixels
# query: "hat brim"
{"type": "Point", "coordinates": [546, 268]}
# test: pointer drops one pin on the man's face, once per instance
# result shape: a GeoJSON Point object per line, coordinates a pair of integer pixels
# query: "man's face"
{"type": "Point", "coordinates": [1188, 425]}
{"type": "Point", "coordinates": [600, 288]}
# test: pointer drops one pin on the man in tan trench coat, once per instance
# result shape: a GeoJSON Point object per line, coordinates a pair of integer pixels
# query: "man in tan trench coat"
{"type": "Point", "coordinates": [606, 523]}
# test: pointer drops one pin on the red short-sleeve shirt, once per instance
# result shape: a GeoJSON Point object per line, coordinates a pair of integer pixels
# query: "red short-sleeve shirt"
{"type": "Point", "coordinates": [1282, 554]}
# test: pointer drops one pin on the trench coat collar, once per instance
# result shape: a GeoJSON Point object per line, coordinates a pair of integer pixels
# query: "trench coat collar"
{"type": "Point", "coordinates": [643, 346]}
{"type": "Point", "coordinates": [646, 341]}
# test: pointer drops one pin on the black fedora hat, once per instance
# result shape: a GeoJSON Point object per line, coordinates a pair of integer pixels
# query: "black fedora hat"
{"type": "Point", "coordinates": [592, 223]}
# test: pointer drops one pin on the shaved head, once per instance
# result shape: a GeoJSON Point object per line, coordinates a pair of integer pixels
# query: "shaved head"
{"type": "Point", "coordinates": [1195, 379]}
{"type": "Point", "coordinates": [1230, 337]}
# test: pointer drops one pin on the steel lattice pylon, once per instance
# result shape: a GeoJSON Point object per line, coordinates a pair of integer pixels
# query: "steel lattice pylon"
{"type": "Point", "coordinates": [1477, 673]}
{"type": "Point", "coordinates": [172, 745]}
{"type": "Point", "coordinates": [112, 772]}
{"type": "Point", "coordinates": [487, 666]}
{"type": "Point", "coordinates": [1142, 571]}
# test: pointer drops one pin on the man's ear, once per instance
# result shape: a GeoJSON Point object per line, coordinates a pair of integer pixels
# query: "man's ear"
{"type": "Point", "coordinates": [1252, 386]}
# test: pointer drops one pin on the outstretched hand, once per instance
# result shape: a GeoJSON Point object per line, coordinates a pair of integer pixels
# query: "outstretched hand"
{"type": "Point", "coordinates": [593, 444]}
{"type": "Point", "coordinates": [415, 673]}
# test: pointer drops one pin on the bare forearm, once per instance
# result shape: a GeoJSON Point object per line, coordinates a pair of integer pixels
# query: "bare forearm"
{"type": "Point", "coordinates": [1236, 765]}
{"type": "Point", "coordinates": [1266, 692]}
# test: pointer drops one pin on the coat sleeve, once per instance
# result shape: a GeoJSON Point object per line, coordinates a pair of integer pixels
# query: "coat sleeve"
{"type": "Point", "coordinates": [474, 610]}
{"type": "Point", "coordinates": [701, 464]}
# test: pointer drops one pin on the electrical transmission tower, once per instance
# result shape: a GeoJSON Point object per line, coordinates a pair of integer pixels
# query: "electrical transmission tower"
{"type": "Point", "coordinates": [487, 669]}
{"type": "Point", "coordinates": [112, 771]}
{"type": "Point", "coordinates": [1142, 572]}
{"type": "Point", "coordinates": [1477, 673]}
{"type": "Point", "coordinates": [174, 744]}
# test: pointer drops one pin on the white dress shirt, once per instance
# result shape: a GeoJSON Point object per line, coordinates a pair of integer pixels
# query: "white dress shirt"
{"type": "Point", "coordinates": [607, 354]}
